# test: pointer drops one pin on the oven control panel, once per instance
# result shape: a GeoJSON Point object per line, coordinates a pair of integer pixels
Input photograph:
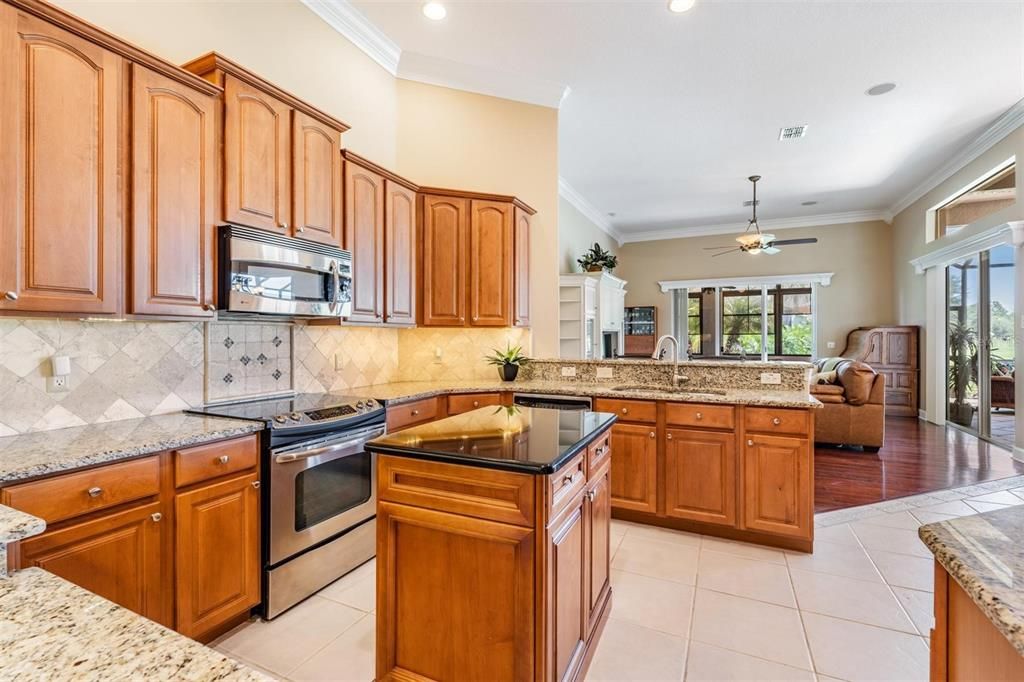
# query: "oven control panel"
{"type": "Point", "coordinates": [327, 414]}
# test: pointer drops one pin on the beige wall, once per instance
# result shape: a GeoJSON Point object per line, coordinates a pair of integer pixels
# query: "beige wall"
{"type": "Point", "coordinates": [282, 41]}
{"type": "Point", "coordinates": [451, 138]}
{"type": "Point", "coordinates": [860, 293]}
{"type": "Point", "coordinates": [910, 240]}
{"type": "Point", "coordinates": [576, 234]}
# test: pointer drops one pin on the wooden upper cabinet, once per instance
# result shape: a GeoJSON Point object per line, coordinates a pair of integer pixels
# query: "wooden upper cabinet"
{"type": "Point", "coordinates": [174, 195]}
{"type": "Point", "coordinates": [257, 158]}
{"type": "Point", "coordinates": [316, 188]}
{"type": "Point", "coordinates": [400, 262]}
{"type": "Point", "coordinates": [364, 238]}
{"type": "Point", "coordinates": [490, 264]}
{"type": "Point", "coordinates": [445, 234]}
{"type": "Point", "coordinates": [60, 203]}
{"type": "Point", "coordinates": [521, 268]}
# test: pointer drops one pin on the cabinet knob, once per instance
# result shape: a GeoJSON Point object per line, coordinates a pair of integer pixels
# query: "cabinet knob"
{"type": "Point", "coordinates": [476, 403]}
{"type": "Point", "coordinates": [591, 495]}
{"type": "Point", "coordinates": [300, 228]}
{"type": "Point", "coordinates": [625, 410]}
{"type": "Point", "coordinates": [283, 224]}
{"type": "Point", "coordinates": [256, 484]}
{"type": "Point", "coordinates": [776, 421]}
{"type": "Point", "coordinates": [223, 459]}
{"type": "Point", "coordinates": [750, 442]}
{"type": "Point", "coordinates": [668, 436]}
{"type": "Point", "coordinates": [699, 416]}
{"type": "Point", "coordinates": [11, 295]}
{"type": "Point", "coordinates": [209, 307]}
{"type": "Point", "coordinates": [652, 434]}
{"type": "Point", "coordinates": [568, 479]}
{"type": "Point", "coordinates": [95, 491]}
{"type": "Point", "coordinates": [415, 413]}
{"type": "Point", "coordinates": [156, 517]}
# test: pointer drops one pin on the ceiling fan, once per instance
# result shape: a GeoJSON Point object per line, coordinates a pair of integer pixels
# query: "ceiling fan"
{"type": "Point", "coordinates": [757, 241]}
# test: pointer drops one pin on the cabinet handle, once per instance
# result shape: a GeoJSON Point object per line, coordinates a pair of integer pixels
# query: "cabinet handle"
{"type": "Point", "coordinates": [156, 517]}
{"type": "Point", "coordinates": [476, 403]}
{"type": "Point", "coordinates": [95, 492]}
{"type": "Point", "coordinates": [300, 229]}
{"type": "Point", "coordinates": [11, 295]}
{"type": "Point", "coordinates": [652, 434]}
{"type": "Point", "coordinates": [591, 495]}
{"type": "Point", "coordinates": [776, 421]}
{"type": "Point", "coordinates": [415, 413]}
{"type": "Point", "coordinates": [223, 459]}
{"type": "Point", "coordinates": [668, 436]}
{"type": "Point", "coordinates": [256, 484]}
{"type": "Point", "coordinates": [283, 224]}
{"type": "Point", "coordinates": [750, 442]}
{"type": "Point", "coordinates": [625, 410]}
{"type": "Point", "coordinates": [209, 307]}
{"type": "Point", "coordinates": [699, 416]}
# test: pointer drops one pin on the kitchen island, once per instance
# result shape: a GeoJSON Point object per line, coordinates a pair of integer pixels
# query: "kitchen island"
{"type": "Point", "coordinates": [493, 545]}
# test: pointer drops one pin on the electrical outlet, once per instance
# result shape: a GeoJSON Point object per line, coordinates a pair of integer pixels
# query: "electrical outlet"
{"type": "Point", "coordinates": [605, 373]}
{"type": "Point", "coordinates": [438, 354]}
{"type": "Point", "coordinates": [568, 371]}
{"type": "Point", "coordinates": [771, 378]}
{"type": "Point", "coordinates": [830, 344]}
{"type": "Point", "coordinates": [57, 384]}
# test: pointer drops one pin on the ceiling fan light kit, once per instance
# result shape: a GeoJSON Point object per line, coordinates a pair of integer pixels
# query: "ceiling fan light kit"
{"type": "Point", "coordinates": [756, 241]}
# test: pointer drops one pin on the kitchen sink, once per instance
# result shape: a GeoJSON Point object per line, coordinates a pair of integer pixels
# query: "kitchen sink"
{"type": "Point", "coordinates": [682, 390]}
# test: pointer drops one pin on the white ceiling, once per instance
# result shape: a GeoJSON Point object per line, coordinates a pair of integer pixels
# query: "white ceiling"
{"type": "Point", "coordinates": [666, 115]}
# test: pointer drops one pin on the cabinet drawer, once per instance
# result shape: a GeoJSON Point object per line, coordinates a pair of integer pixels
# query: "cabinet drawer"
{"type": "Point", "coordinates": [776, 420]}
{"type": "Point", "coordinates": [70, 495]}
{"type": "Point", "coordinates": [629, 410]}
{"type": "Point", "coordinates": [464, 402]}
{"type": "Point", "coordinates": [599, 452]}
{"type": "Point", "coordinates": [566, 483]}
{"type": "Point", "coordinates": [214, 459]}
{"type": "Point", "coordinates": [411, 414]}
{"type": "Point", "coordinates": [704, 416]}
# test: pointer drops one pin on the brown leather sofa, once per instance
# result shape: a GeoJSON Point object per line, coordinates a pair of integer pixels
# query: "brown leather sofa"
{"type": "Point", "coordinates": [854, 407]}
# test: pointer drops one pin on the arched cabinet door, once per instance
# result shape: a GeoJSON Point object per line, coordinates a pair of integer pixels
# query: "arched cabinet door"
{"type": "Point", "coordinates": [445, 231]}
{"type": "Point", "coordinates": [317, 212]}
{"type": "Point", "coordinates": [174, 193]}
{"type": "Point", "coordinates": [364, 237]}
{"type": "Point", "coordinates": [59, 195]}
{"type": "Point", "coordinates": [400, 254]}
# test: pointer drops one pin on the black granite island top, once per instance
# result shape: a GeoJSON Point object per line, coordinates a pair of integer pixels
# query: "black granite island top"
{"type": "Point", "coordinates": [528, 440]}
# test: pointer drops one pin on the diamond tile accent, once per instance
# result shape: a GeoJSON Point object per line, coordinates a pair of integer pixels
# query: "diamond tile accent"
{"type": "Point", "coordinates": [245, 360]}
{"type": "Point", "coordinates": [276, 341]}
{"type": "Point", "coordinates": [262, 359]}
{"type": "Point", "coordinates": [228, 378]}
{"type": "Point", "coordinates": [228, 342]}
{"type": "Point", "coordinates": [277, 374]}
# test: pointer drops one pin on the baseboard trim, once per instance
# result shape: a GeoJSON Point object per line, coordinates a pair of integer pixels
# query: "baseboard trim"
{"type": "Point", "coordinates": [1018, 453]}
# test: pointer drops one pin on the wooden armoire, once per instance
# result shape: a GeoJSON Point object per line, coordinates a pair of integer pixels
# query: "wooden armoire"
{"type": "Point", "coordinates": [892, 352]}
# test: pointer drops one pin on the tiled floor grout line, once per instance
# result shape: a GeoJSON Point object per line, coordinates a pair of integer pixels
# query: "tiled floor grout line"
{"type": "Point", "coordinates": [330, 642]}
{"type": "Point", "coordinates": [689, 627]}
{"type": "Point", "coordinates": [803, 625]}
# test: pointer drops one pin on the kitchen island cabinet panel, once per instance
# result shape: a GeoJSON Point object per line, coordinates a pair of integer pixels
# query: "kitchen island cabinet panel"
{"type": "Point", "coordinates": [700, 475]}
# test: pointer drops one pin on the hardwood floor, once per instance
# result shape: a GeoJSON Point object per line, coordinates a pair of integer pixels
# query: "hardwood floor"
{"type": "Point", "coordinates": [917, 457]}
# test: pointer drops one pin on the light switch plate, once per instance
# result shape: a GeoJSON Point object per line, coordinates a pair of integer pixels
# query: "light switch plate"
{"type": "Point", "coordinates": [568, 371]}
{"type": "Point", "coordinates": [771, 378]}
{"type": "Point", "coordinates": [605, 373]}
{"type": "Point", "coordinates": [831, 344]}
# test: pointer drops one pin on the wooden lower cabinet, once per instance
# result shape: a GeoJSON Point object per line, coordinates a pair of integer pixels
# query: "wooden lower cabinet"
{"type": "Point", "coordinates": [700, 475]}
{"type": "Point", "coordinates": [165, 535]}
{"type": "Point", "coordinates": [634, 478]}
{"type": "Point", "coordinates": [217, 553]}
{"type": "Point", "coordinates": [778, 485]}
{"type": "Point", "coordinates": [117, 556]}
{"type": "Point", "coordinates": [479, 580]}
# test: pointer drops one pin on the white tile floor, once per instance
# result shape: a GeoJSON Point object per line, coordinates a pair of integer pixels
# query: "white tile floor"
{"type": "Point", "coordinates": [698, 608]}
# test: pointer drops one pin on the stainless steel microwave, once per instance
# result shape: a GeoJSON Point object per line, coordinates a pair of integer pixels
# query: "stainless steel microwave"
{"type": "Point", "coordinates": [268, 274]}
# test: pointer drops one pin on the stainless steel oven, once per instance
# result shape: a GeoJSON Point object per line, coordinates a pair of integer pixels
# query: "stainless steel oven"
{"type": "Point", "coordinates": [268, 274]}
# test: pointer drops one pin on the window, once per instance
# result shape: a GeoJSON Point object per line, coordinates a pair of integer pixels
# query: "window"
{"type": "Point", "coordinates": [741, 321]}
{"type": "Point", "coordinates": [991, 194]}
{"type": "Point", "coordinates": [694, 325]}
{"type": "Point", "coordinates": [789, 319]}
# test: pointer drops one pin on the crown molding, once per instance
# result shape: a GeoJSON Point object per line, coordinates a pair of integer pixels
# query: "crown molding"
{"type": "Point", "coordinates": [1004, 233]}
{"type": "Point", "coordinates": [580, 203]}
{"type": "Point", "coordinates": [1008, 121]}
{"type": "Point", "coordinates": [350, 22]}
{"type": "Point", "coordinates": [820, 220]}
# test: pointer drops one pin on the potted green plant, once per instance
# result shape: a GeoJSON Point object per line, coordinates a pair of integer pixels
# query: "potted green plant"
{"type": "Point", "coordinates": [962, 344]}
{"type": "Point", "coordinates": [508, 361]}
{"type": "Point", "coordinates": [597, 259]}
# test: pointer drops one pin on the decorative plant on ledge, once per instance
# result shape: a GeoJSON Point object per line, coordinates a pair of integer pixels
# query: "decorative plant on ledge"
{"type": "Point", "coordinates": [508, 361]}
{"type": "Point", "coordinates": [962, 342]}
{"type": "Point", "coordinates": [597, 259]}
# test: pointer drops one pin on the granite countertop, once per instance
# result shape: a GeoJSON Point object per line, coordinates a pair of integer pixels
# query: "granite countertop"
{"type": "Point", "coordinates": [984, 555]}
{"type": "Point", "coordinates": [17, 525]}
{"type": "Point", "coordinates": [53, 629]}
{"type": "Point", "coordinates": [404, 391]}
{"type": "Point", "coordinates": [522, 439]}
{"type": "Point", "coordinates": [48, 452]}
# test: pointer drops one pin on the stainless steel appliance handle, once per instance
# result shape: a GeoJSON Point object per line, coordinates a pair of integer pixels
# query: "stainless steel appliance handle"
{"type": "Point", "coordinates": [356, 439]}
{"type": "Point", "coordinates": [336, 276]}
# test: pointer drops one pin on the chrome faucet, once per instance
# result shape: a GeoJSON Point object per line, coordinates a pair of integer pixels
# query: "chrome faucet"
{"type": "Point", "coordinates": [659, 353]}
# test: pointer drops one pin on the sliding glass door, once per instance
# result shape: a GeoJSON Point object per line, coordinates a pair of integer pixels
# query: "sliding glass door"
{"type": "Point", "coordinates": [980, 369]}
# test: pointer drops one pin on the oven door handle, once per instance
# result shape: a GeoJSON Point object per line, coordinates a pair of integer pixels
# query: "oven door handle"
{"type": "Point", "coordinates": [370, 434]}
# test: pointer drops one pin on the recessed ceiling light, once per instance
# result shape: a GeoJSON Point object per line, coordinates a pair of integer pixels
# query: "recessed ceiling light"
{"type": "Point", "coordinates": [611, 214]}
{"type": "Point", "coordinates": [435, 11]}
{"type": "Point", "coordinates": [809, 203]}
{"type": "Point", "coordinates": [680, 6]}
{"type": "Point", "coordinates": [880, 89]}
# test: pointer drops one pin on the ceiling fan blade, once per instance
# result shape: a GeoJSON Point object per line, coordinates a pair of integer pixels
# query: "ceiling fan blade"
{"type": "Point", "coordinates": [784, 242]}
{"type": "Point", "coordinates": [712, 248]}
{"type": "Point", "coordinates": [770, 250]}
{"type": "Point", "coordinates": [722, 253]}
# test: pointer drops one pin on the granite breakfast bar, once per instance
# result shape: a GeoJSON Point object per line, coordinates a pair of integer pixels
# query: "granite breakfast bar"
{"type": "Point", "coordinates": [493, 545]}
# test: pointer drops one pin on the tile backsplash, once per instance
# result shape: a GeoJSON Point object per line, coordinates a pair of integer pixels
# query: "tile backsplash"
{"type": "Point", "coordinates": [128, 369]}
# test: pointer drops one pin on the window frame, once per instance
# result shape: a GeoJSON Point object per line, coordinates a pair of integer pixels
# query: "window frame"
{"type": "Point", "coordinates": [938, 230]}
{"type": "Point", "coordinates": [776, 294]}
{"type": "Point", "coordinates": [699, 297]}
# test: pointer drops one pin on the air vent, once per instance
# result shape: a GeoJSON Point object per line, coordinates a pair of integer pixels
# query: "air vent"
{"type": "Point", "coordinates": [793, 133]}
